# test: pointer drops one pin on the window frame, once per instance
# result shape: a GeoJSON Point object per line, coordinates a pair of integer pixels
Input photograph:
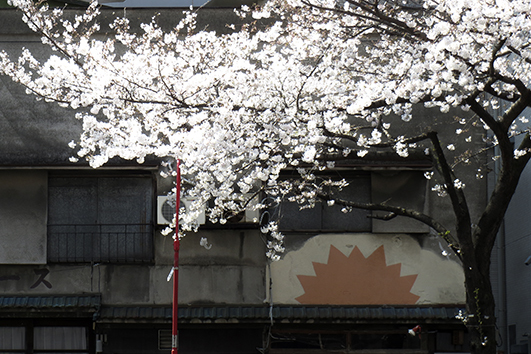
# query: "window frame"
{"type": "Point", "coordinates": [327, 213]}
{"type": "Point", "coordinates": [29, 325]}
{"type": "Point", "coordinates": [399, 224]}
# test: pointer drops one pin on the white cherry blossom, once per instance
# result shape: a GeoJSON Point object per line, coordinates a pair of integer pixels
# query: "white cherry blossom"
{"type": "Point", "coordinates": [304, 86]}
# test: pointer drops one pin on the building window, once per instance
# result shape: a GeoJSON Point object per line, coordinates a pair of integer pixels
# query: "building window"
{"type": "Point", "coordinates": [330, 218]}
{"type": "Point", "coordinates": [406, 188]}
{"type": "Point", "coordinates": [60, 339]}
{"type": "Point", "coordinates": [44, 339]}
{"type": "Point", "coordinates": [100, 218]}
{"type": "Point", "coordinates": [12, 339]}
{"type": "Point", "coordinates": [165, 339]}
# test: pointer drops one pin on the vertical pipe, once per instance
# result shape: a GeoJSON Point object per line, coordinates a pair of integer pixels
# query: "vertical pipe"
{"type": "Point", "coordinates": [176, 247]}
{"type": "Point", "coordinates": [501, 275]}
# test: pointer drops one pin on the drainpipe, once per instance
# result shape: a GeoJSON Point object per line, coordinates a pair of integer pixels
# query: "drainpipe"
{"type": "Point", "coordinates": [502, 289]}
{"type": "Point", "coordinates": [501, 268]}
{"type": "Point", "coordinates": [176, 247]}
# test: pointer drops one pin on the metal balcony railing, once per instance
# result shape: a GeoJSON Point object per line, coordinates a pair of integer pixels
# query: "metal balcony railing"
{"type": "Point", "coordinates": [100, 243]}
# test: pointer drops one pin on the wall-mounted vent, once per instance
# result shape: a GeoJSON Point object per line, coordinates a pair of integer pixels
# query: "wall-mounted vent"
{"type": "Point", "coordinates": [164, 339]}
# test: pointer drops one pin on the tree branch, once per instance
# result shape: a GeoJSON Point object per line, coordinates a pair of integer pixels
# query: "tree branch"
{"type": "Point", "coordinates": [398, 211]}
{"type": "Point", "coordinates": [459, 205]}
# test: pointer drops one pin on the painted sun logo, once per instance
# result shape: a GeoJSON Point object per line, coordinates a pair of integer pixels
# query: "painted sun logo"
{"type": "Point", "coordinates": [356, 280]}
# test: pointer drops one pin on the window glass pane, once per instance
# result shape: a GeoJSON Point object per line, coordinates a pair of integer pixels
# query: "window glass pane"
{"type": "Point", "coordinates": [104, 200]}
{"type": "Point", "coordinates": [358, 190]}
{"type": "Point", "coordinates": [72, 201]}
{"type": "Point", "coordinates": [330, 218]}
{"type": "Point", "coordinates": [12, 338]}
{"type": "Point", "coordinates": [60, 338]}
{"type": "Point", "coordinates": [124, 201]}
{"type": "Point", "coordinates": [406, 189]}
{"type": "Point", "coordinates": [293, 218]}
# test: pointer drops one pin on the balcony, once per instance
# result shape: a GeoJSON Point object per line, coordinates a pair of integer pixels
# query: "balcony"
{"type": "Point", "coordinates": [103, 243]}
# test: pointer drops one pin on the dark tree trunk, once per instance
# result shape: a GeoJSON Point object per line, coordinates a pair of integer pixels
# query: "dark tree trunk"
{"type": "Point", "coordinates": [481, 322]}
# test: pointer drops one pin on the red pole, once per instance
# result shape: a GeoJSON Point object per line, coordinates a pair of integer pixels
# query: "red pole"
{"type": "Point", "coordinates": [176, 246]}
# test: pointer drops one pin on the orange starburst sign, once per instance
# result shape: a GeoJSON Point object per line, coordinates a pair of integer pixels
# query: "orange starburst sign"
{"type": "Point", "coordinates": [356, 280]}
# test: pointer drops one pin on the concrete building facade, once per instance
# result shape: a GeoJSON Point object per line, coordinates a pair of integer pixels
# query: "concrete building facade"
{"type": "Point", "coordinates": [510, 262]}
{"type": "Point", "coordinates": [84, 266]}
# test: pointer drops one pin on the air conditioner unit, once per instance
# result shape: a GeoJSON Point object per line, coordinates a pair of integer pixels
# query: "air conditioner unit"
{"type": "Point", "coordinates": [166, 210]}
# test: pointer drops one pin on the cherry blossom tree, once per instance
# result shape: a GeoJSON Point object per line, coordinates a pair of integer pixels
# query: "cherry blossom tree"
{"type": "Point", "coordinates": [306, 85]}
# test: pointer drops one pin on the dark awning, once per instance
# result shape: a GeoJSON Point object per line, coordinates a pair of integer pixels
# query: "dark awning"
{"type": "Point", "coordinates": [49, 305]}
{"type": "Point", "coordinates": [281, 314]}
{"type": "Point", "coordinates": [90, 305]}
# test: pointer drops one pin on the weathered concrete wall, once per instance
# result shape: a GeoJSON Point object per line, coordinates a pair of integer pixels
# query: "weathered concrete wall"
{"type": "Point", "coordinates": [517, 249]}
{"type": "Point", "coordinates": [23, 214]}
{"type": "Point", "coordinates": [366, 269]}
{"type": "Point", "coordinates": [33, 133]}
{"type": "Point", "coordinates": [231, 271]}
